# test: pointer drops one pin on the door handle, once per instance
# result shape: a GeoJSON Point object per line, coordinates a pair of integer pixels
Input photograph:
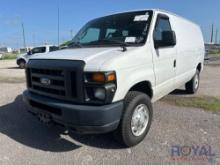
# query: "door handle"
{"type": "Point", "coordinates": [174, 63]}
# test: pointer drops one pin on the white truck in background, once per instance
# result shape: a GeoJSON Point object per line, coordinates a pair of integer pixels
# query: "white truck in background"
{"type": "Point", "coordinates": [113, 70]}
{"type": "Point", "coordinates": [22, 59]}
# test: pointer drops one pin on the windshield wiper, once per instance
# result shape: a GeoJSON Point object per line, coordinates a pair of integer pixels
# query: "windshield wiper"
{"type": "Point", "coordinates": [123, 45]}
{"type": "Point", "coordinates": [75, 44]}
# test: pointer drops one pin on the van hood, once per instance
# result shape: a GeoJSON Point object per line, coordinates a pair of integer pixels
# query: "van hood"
{"type": "Point", "coordinates": [85, 54]}
{"type": "Point", "coordinates": [21, 55]}
{"type": "Point", "coordinates": [93, 57]}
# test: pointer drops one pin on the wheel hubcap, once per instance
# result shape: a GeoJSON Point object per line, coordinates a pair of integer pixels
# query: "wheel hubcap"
{"type": "Point", "coordinates": [196, 81]}
{"type": "Point", "coordinates": [140, 119]}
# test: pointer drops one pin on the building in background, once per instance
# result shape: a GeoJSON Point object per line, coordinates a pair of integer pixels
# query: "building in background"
{"type": "Point", "coordinates": [5, 50]}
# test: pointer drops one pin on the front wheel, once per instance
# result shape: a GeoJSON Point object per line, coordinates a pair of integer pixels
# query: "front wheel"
{"type": "Point", "coordinates": [136, 119]}
{"type": "Point", "coordinates": [21, 64]}
{"type": "Point", "coordinates": [193, 85]}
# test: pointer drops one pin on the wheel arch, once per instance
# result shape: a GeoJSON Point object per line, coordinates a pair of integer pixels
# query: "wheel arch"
{"type": "Point", "coordinates": [144, 87]}
{"type": "Point", "coordinates": [21, 59]}
{"type": "Point", "coordinates": [199, 67]}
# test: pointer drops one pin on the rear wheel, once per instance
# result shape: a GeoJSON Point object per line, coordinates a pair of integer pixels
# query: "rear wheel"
{"type": "Point", "coordinates": [21, 64]}
{"type": "Point", "coordinates": [193, 85]}
{"type": "Point", "coordinates": [136, 119]}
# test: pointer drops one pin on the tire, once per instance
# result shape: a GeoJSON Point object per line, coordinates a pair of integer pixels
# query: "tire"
{"type": "Point", "coordinates": [21, 64]}
{"type": "Point", "coordinates": [193, 85]}
{"type": "Point", "coordinates": [133, 103]}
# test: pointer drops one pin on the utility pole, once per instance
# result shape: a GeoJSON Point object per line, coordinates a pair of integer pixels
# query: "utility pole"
{"type": "Point", "coordinates": [24, 41]}
{"type": "Point", "coordinates": [58, 25]}
{"type": "Point", "coordinates": [212, 33]}
{"type": "Point", "coordinates": [216, 36]}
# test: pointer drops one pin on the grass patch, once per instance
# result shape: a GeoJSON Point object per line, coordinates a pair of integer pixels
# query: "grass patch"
{"type": "Point", "coordinates": [215, 55]}
{"type": "Point", "coordinates": [205, 102]}
{"type": "Point", "coordinates": [8, 56]}
{"type": "Point", "coordinates": [214, 51]}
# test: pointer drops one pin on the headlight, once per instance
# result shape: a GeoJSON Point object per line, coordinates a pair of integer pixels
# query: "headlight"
{"type": "Point", "coordinates": [100, 93]}
{"type": "Point", "coordinates": [100, 87]}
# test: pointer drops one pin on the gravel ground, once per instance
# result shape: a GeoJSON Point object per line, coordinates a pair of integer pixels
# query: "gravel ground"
{"type": "Point", "coordinates": [24, 140]}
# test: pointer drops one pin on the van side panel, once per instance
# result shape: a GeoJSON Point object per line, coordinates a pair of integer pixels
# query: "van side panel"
{"type": "Point", "coordinates": [190, 48]}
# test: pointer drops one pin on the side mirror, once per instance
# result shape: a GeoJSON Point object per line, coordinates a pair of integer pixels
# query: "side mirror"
{"type": "Point", "coordinates": [29, 52]}
{"type": "Point", "coordinates": [168, 39]}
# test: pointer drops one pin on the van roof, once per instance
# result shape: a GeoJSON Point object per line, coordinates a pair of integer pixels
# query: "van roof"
{"type": "Point", "coordinates": [155, 10]}
{"type": "Point", "coordinates": [171, 13]}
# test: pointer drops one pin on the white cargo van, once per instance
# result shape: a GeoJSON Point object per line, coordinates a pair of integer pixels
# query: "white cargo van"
{"type": "Point", "coordinates": [113, 70]}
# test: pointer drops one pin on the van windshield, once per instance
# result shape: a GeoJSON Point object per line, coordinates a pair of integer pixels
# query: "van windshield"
{"type": "Point", "coordinates": [127, 28]}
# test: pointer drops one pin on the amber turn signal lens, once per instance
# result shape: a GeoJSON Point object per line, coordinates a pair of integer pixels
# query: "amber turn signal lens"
{"type": "Point", "coordinates": [111, 77]}
{"type": "Point", "coordinates": [103, 77]}
{"type": "Point", "coordinates": [98, 77]}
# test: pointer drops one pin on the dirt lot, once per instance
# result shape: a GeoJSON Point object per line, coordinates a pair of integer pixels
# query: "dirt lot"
{"type": "Point", "coordinates": [24, 140]}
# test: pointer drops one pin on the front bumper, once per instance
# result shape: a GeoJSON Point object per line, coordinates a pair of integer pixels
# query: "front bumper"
{"type": "Point", "coordinates": [80, 118]}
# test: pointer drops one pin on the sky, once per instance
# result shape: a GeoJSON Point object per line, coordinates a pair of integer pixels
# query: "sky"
{"type": "Point", "coordinates": [40, 16]}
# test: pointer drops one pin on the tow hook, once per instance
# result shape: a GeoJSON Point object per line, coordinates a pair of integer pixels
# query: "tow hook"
{"type": "Point", "coordinates": [45, 118]}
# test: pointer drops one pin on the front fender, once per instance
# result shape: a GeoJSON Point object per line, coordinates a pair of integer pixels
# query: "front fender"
{"type": "Point", "coordinates": [129, 77]}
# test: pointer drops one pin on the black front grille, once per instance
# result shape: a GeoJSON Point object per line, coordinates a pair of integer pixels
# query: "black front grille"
{"type": "Point", "coordinates": [73, 80]}
{"type": "Point", "coordinates": [56, 78]}
{"type": "Point", "coordinates": [49, 90]}
{"type": "Point", "coordinates": [48, 72]}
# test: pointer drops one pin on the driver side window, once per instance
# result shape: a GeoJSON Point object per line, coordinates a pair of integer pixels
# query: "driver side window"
{"type": "Point", "coordinates": [162, 25]}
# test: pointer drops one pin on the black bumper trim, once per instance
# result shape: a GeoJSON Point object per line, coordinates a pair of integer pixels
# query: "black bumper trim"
{"type": "Point", "coordinates": [80, 118]}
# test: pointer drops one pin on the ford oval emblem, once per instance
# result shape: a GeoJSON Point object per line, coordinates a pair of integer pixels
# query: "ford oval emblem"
{"type": "Point", "coordinates": [45, 81]}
